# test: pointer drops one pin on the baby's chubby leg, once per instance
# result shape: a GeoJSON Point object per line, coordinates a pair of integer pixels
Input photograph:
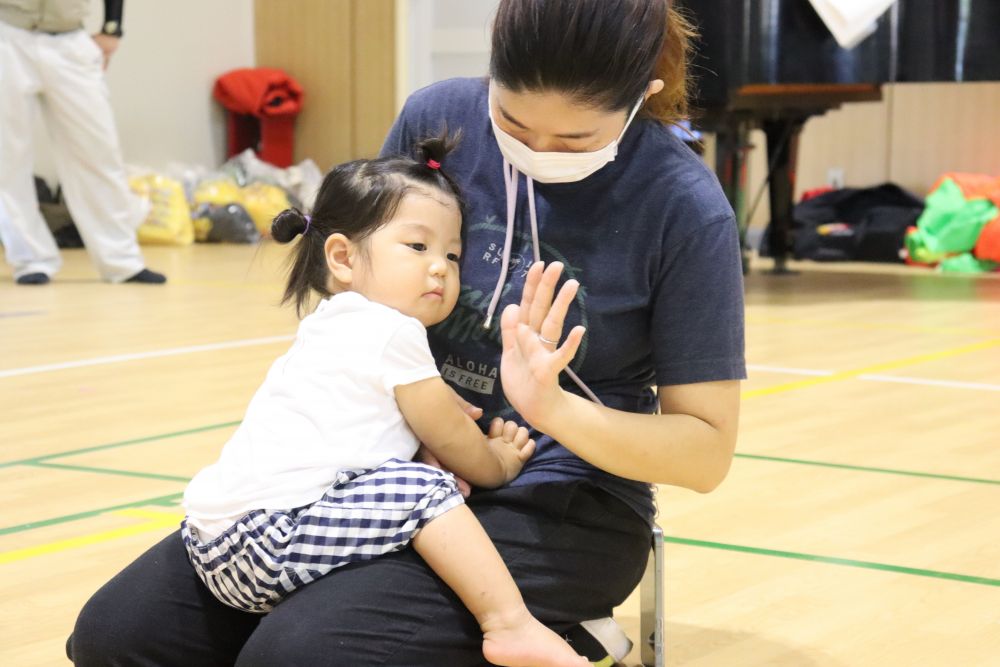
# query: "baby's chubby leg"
{"type": "Point", "coordinates": [460, 552]}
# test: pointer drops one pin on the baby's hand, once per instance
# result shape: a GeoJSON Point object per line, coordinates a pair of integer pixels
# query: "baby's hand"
{"type": "Point", "coordinates": [511, 445]}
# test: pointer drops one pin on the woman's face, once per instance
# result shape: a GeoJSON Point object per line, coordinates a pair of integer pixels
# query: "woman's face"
{"type": "Point", "coordinates": [554, 122]}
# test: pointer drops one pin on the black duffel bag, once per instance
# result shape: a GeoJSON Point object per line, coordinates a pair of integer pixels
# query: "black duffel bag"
{"type": "Point", "coordinates": [852, 224]}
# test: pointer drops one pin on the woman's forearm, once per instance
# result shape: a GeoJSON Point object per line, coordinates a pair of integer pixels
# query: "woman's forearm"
{"type": "Point", "coordinates": [676, 449]}
{"type": "Point", "coordinates": [690, 444]}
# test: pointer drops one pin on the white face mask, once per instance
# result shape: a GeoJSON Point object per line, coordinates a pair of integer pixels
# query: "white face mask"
{"type": "Point", "coordinates": [552, 167]}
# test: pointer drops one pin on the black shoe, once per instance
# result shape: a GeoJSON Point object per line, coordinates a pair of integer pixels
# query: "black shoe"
{"type": "Point", "coordinates": [148, 277]}
{"type": "Point", "coordinates": [33, 279]}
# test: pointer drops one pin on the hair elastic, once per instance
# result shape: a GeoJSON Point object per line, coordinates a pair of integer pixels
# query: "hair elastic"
{"type": "Point", "coordinates": [308, 222]}
{"type": "Point", "coordinates": [433, 164]}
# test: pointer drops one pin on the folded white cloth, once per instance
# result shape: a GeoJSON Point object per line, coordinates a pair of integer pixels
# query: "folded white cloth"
{"type": "Point", "coordinates": [851, 21]}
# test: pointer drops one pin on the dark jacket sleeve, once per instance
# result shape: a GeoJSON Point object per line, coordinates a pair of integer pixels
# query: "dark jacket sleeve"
{"type": "Point", "coordinates": [400, 140]}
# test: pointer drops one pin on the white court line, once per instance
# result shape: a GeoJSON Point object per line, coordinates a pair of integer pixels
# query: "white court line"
{"type": "Point", "coordinates": [871, 377]}
{"type": "Point", "coordinates": [788, 371]}
{"type": "Point", "coordinates": [982, 386]}
{"type": "Point", "coordinates": [98, 361]}
{"type": "Point", "coordinates": [153, 354]}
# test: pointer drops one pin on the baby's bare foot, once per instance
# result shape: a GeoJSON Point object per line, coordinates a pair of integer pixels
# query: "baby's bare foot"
{"type": "Point", "coordinates": [522, 641]}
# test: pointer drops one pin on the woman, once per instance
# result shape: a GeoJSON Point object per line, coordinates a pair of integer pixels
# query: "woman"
{"type": "Point", "coordinates": [566, 157]}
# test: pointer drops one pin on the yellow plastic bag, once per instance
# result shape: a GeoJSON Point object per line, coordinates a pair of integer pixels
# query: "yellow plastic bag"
{"type": "Point", "coordinates": [263, 202]}
{"type": "Point", "coordinates": [169, 220]}
{"type": "Point", "coordinates": [218, 192]}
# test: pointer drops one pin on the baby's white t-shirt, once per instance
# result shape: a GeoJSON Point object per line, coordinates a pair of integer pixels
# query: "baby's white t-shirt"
{"type": "Point", "coordinates": [326, 405]}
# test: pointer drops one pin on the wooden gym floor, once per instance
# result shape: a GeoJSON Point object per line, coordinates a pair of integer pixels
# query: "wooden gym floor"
{"type": "Point", "coordinates": [859, 525]}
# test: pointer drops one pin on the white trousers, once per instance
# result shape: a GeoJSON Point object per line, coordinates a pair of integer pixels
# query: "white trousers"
{"type": "Point", "coordinates": [62, 76]}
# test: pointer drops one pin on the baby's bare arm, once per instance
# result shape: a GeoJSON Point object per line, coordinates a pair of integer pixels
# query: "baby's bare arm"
{"type": "Point", "coordinates": [430, 409]}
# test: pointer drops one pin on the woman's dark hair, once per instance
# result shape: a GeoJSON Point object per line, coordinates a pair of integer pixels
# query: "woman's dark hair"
{"type": "Point", "coordinates": [602, 53]}
{"type": "Point", "coordinates": [356, 199]}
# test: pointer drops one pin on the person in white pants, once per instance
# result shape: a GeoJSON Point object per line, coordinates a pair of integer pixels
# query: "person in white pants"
{"type": "Point", "coordinates": [48, 62]}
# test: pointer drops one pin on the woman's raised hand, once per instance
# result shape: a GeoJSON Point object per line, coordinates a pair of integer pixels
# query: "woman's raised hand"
{"type": "Point", "coordinates": [532, 357]}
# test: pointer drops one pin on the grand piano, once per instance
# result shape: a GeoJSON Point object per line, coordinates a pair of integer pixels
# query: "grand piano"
{"type": "Point", "coordinates": [771, 64]}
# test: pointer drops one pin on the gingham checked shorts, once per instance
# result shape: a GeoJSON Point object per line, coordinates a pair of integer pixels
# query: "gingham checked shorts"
{"type": "Point", "coordinates": [267, 554]}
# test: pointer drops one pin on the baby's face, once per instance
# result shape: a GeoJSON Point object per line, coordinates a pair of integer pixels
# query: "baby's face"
{"type": "Point", "coordinates": [411, 262]}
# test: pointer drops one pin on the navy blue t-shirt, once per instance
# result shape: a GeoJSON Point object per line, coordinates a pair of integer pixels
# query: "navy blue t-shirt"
{"type": "Point", "coordinates": [652, 240]}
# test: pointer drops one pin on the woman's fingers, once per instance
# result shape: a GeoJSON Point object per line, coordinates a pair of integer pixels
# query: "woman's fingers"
{"type": "Point", "coordinates": [509, 320]}
{"type": "Point", "coordinates": [568, 349]}
{"type": "Point", "coordinates": [531, 280]}
{"type": "Point", "coordinates": [552, 325]}
{"type": "Point", "coordinates": [538, 310]}
{"type": "Point", "coordinates": [559, 358]}
{"type": "Point", "coordinates": [541, 301]}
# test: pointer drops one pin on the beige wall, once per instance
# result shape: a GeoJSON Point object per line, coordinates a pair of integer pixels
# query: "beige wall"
{"type": "Point", "coordinates": [343, 52]}
{"type": "Point", "coordinates": [161, 79]}
{"type": "Point", "coordinates": [917, 132]}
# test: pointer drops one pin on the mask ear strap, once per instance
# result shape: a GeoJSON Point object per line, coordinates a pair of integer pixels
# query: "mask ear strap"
{"type": "Point", "coordinates": [631, 116]}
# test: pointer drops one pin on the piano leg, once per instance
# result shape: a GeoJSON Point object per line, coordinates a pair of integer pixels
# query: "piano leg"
{"type": "Point", "coordinates": [731, 148]}
{"type": "Point", "coordinates": [782, 151]}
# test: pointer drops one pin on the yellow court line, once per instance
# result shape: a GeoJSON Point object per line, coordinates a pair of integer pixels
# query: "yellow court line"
{"type": "Point", "coordinates": [876, 368]}
{"type": "Point", "coordinates": [762, 320]}
{"type": "Point", "coordinates": [156, 520]}
{"type": "Point", "coordinates": [83, 541]}
{"type": "Point", "coordinates": [153, 515]}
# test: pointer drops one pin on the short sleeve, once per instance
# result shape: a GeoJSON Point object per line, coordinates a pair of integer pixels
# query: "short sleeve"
{"type": "Point", "coordinates": [697, 316]}
{"type": "Point", "coordinates": [407, 357]}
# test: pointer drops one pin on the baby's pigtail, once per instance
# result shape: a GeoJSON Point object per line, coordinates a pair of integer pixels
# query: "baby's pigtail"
{"type": "Point", "coordinates": [433, 153]}
{"type": "Point", "coordinates": [306, 263]}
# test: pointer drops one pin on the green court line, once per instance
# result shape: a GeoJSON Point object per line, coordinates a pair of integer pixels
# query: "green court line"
{"type": "Point", "coordinates": [868, 565]}
{"type": "Point", "coordinates": [111, 471]}
{"type": "Point", "coordinates": [159, 500]}
{"type": "Point", "coordinates": [123, 443]}
{"type": "Point", "coordinates": [212, 427]}
{"type": "Point", "coordinates": [887, 471]}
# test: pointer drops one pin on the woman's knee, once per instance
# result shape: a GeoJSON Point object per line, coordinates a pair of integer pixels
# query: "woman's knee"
{"type": "Point", "coordinates": [281, 644]}
{"type": "Point", "coordinates": [388, 611]}
{"type": "Point", "coordinates": [156, 611]}
{"type": "Point", "coordinates": [298, 640]}
{"type": "Point", "coordinates": [104, 633]}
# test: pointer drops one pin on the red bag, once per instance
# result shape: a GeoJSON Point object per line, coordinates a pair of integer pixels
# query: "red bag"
{"type": "Point", "coordinates": [262, 104]}
{"type": "Point", "coordinates": [988, 245]}
{"type": "Point", "coordinates": [974, 186]}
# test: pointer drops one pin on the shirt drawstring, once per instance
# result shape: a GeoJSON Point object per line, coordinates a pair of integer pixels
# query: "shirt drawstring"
{"type": "Point", "coordinates": [510, 182]}
{"type": "Point", "coordinates": [510, 177]}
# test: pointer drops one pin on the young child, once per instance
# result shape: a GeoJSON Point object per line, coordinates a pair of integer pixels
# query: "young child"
{"type": "Point", "coordinates": [319, 473]}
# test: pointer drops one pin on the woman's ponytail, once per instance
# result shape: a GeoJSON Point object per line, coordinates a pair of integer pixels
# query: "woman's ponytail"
{"type": "Point", "coordinates": [670, 105]}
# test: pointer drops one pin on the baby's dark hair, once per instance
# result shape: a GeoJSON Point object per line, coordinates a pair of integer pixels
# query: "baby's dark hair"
{"type": "Point", "coordinates": [356, 199]}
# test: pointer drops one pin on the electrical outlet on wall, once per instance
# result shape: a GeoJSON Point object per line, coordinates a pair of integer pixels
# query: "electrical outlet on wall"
{"type": "Point", "coordinates": [835, 177]}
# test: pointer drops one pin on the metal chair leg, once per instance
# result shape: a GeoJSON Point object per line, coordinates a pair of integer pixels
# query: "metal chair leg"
{"type": "Point", "coordinates": [651, 605]}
